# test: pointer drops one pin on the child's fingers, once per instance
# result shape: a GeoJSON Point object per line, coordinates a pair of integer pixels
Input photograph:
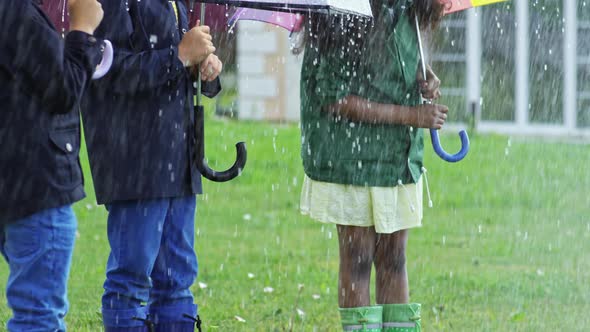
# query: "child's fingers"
{"type": "Point", "coordinates": [205, 28]}
{"type": "Point", "coordinates": [208, 72]}
{"type": "Point", "coordinates": [434, 82]}
{"type": "Point", "coordinates": [431, 94]}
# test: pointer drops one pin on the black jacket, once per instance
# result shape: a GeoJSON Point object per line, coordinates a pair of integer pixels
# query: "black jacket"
{"type": "Point", "coordinates": [138, 119]}
{"type": "Point", "coordinates": [42, 78]}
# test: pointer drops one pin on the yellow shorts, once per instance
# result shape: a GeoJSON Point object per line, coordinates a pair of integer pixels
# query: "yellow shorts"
{"type": "Point", "coordinates": [388, 209]}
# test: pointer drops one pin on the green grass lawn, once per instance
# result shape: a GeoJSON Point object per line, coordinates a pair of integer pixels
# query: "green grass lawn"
{"type": "Point", "coordinates": [505, 248]}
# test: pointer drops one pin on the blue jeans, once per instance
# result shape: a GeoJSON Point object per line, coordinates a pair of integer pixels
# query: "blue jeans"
{"type": "Point", "coordinates": [38, 250]}
{"type": "Point", "coordinates": [152, 263]}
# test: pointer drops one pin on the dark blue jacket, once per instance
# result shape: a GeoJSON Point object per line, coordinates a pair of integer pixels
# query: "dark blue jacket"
{"type": "Point", "coordinates": [138, 119]}
{"type": "Point", "coordinates": [41, 82]}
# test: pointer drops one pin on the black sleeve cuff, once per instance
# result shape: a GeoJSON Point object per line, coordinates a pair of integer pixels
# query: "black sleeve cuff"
{"type": "Point", "coordinates": [88, 47]}
{"type": "Point", "coordinates": [211, 89]}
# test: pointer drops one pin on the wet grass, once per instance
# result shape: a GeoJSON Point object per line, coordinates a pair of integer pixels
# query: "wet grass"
{"type": "Point", "coordinates": [505, 248]}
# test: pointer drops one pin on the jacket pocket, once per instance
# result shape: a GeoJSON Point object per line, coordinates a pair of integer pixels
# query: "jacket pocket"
{"type": "Point", "coordinates": [66, 145]}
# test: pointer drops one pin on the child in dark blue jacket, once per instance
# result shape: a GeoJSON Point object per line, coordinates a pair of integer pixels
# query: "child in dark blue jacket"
{"type": "Point", "coordinates": [138, 122]}
{"type": "Point", "coordinates": [42, 79]}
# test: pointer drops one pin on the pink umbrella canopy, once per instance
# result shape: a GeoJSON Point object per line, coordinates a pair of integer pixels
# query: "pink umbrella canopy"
{"type": "Point", "coordinates": [346, 7]}
{"type": "Point", "coordinates": [452, 6]}
{"type": "Point", "coordinates": [216, 16]}
{"type": "Point", "coordinates": [294, 22]}
{"type": "Point", "coordinates": [291, 22]}
{"type": "Point", "coordinates": [57, 10]}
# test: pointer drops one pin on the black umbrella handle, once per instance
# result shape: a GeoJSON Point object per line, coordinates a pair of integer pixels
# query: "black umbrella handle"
{"type": "Point", "coordinates": [208, 173]}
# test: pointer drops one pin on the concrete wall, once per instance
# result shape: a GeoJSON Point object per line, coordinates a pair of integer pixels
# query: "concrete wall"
{"type": "Point", "coordinates": [268, 74]}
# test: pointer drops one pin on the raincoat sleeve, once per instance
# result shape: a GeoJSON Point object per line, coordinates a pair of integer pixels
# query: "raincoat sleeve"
{"type": "Point", "coordinates": [336, 77]}
{"type": "Point", "coordinates": [134, 71]}
{"type": "Point", "coordinates": [39, 61]}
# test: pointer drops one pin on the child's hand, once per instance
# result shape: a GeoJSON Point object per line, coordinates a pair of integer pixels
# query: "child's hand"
{"type": "Point", "coordinates": [85, 15]}
{"type": "Point", "coordinates": [195, 45]}
{"type": "Point", "coordinates": [211, 68]}
{"type": "Point", "coordinates": [430, 116]}
{"type": "Point", "coordinates": [430, 87]}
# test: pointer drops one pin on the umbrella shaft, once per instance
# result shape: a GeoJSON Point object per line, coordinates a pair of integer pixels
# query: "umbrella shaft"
{"type": "Point", "coordinates": [421, 48]}
{"type": "Point", "coordinates": [198, 83]}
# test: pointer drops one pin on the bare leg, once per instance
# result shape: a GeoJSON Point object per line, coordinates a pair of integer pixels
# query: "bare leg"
{"type": "Point", "coordinates": [390, 265]}
{"type": "Point", "coordinates": [357, 252]}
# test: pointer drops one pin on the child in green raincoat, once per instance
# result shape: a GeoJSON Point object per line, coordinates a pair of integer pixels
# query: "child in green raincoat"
{"type": "Point", "coordinates": [362, 150]}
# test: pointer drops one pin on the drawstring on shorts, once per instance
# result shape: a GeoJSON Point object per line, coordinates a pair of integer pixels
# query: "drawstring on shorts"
{"type": "Point", "coordinates": [427, 188]}
{"type": "Point", "coordinates": [412, 207]}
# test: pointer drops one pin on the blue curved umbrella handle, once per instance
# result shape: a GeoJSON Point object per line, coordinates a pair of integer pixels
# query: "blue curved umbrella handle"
{"type": "Point", "coordinates": [452, 158]}
{"type": "Point", "coordinates": [106, 63]}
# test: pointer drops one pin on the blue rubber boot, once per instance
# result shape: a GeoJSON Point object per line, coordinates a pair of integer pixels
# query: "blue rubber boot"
{"type": "Point", "coordinates": [127, 320]}
{"type": "Point", "coordinates": [175, 318]}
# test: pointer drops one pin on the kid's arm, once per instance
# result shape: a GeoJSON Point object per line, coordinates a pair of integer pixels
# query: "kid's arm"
{"type": "Point", "coordinates": [40, 62]}
{"type": "Point", "coordinates": [134, 71]}
{"type": "Point", "coordinates": [339, 95]}
{"type": "Point", "coordinates": [359, 109]}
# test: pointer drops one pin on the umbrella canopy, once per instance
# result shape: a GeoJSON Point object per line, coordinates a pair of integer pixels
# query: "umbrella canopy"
{"type": "Point", "coordinates": [289, 21]}
{"type": "Point", "coordinates": [57, 12]}
{"type": "Point", "coordinates": [215, 16]}
{"type": "Point", "coordinates": [452, 6]}
{"type": "Point", "coordinates": [354, 7]}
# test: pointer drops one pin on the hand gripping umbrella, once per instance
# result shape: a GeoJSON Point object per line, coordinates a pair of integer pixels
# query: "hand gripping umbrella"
{"type": "Point", "coordinates": [451, 6]}
{"type": "Point", "coordinates": [355, 7]}
{"type": "Point", "coordinates": [56, 11]}
{"type": "Point", "coordinates": [201, 163]}
{"type": "Point", "coordinates": [434, 132]}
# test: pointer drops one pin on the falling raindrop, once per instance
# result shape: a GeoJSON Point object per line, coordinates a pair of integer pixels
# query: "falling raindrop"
{"type": "Point", "coordinates": [63, 19]}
